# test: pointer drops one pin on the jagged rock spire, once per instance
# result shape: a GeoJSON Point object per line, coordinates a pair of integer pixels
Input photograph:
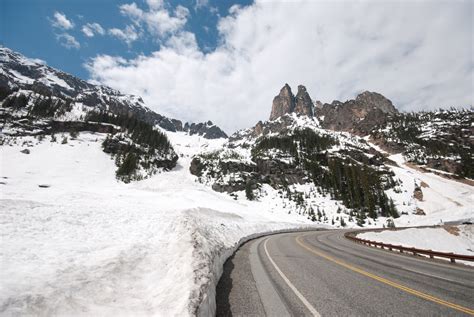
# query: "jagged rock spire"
{"type": "Point", "coordinates": [283, 103]}
{"type": "Point", "coordinates": [304, 104]}
{"type": "Point", "coordinates": [286, 102]}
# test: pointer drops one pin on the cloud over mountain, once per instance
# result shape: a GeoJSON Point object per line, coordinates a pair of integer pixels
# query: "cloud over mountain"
{"type": "Point", "coordinates": [419, 54]}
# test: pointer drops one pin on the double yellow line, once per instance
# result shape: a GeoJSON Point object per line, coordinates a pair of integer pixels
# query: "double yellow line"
{"type": "Point", "coordinates": [385, 281]}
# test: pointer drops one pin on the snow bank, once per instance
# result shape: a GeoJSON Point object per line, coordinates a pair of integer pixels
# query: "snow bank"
{"type": "Point", "coordinates": [85, 244]}
{"type": "Point", "coordinates": [457, 239]}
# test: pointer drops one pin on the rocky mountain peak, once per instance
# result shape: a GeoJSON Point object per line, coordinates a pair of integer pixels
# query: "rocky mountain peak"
{"type": "Point", "coordinates": [376, 100]}
{"type": "Point", "coordinates": [359, 115]}
{"type": "Point", "coordinates": [285, 102]}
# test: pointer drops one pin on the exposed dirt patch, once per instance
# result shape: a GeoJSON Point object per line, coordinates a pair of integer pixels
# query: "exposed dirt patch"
{"type": "Point", "coordinates": [419, 212]}
{"type": "Point", "coordinates": [424, 185]}
{"type": "Point", "coordinates": [452, 230]}
{"type": "Point", "coordinates": [418, 194]}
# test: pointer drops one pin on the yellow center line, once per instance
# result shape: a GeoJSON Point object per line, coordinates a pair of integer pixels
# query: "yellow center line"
{"type": "Point", "coordinates": [385, 281]}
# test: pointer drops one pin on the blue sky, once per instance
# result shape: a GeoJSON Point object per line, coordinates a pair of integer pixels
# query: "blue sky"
{"type": "Point", "coordinates": [26, 26]}
{"type": "Point", "coordinates": [199, 60]}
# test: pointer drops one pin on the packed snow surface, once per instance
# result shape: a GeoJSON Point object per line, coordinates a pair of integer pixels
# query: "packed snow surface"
{"type": "Point", "coordinates": [74, 241]}
{"type": "Point", "coordinates": [457, 239]}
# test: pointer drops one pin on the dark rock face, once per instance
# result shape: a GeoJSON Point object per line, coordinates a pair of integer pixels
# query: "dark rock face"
{"type": "Point", "coordinates": [283, 103]}
{"type": "Point", "coordinates": [357, 116]}
{"type": "Point", "coordinates": [207, 130]}
{"type": "Point", "coordinates": [304, 104]}
{"type": "Point", "coordinates": [273, 172]}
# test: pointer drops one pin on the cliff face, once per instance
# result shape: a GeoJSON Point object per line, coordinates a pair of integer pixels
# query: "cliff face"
{"type": "Point", "coordinates": [285, 102]}
{"type": "Point", "coordinates": [304, 104]}
{"type": "Point", "coordinates": [359, 115]}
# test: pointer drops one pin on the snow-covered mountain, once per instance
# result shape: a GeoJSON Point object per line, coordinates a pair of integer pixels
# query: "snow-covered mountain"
{"type": "Point", "coordinates": [91, 224]}
{"type": "Point", "coordinates": [323, 162]}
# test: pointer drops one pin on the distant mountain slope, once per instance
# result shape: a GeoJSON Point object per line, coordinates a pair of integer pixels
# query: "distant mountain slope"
{"type": "Point", "coordinates": [39, 100]}
{"type": "Point", "coordinates": [26, 83]}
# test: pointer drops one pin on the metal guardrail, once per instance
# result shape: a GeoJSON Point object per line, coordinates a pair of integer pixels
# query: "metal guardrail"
{"type": "Point", "coordinates": [352, 235]}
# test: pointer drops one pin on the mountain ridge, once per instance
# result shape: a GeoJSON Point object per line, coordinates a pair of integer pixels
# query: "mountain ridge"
{"type": "Point", "coordinates": [19, 73]}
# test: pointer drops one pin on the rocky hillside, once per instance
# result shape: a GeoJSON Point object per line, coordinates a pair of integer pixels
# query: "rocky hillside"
{"type": "Point", "coordinates": [358, 116]}
{"type": "Point", "coordinates": [37, 100]}
{"type": "Point", "coordinates": [440, 141]}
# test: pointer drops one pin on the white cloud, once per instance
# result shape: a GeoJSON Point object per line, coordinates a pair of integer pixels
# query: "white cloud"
{"type": "Point", "coordinates": [68, 41]}
{"type": "Point", "coordinates": [60, 21]}
{"type": "Point", "coordinates": [128, 35]}
{"type": "Point", "coordinates": [91, 29]}
{"type": "Point", "coordinates": [158, 20]}
{"type": "Point", "coordinates": [418, 54]}
{"type": "Point", "coordinates": [133, 11]}
{"type": "Point", "coordinates": [201, 4]}
{"type": "Point", "coordinates": [155, 4]}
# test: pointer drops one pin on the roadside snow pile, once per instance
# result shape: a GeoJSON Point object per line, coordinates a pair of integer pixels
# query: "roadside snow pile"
{"type": "Point", "coordinates": [457, 239]}
{"type": "Point", "coordinates": [86, 244]}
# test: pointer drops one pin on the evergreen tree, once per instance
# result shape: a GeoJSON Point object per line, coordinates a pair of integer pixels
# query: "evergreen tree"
{"type": "Point", "coordinates": [248, 191]}
{"type": "Point", "coordinates": [127, 167]}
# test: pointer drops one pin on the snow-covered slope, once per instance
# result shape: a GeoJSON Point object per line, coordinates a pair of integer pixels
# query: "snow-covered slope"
{"type": "Point", "coordinates": [77, 242]}
{"type": "Point", "coordinates": [443, 200]}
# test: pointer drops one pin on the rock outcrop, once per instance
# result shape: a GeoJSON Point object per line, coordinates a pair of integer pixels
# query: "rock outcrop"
{"type": "Point", "coordinates": [375, 100]}
{"type": "Point", "coordinates": [304, 104]}
{"type": "Point", "coordinates": [358, 116]}
{"type": "Point", "coordinates": [207, 130]}
{"type": "Point", "coordinates": [283, 103]}
{"type": "Point", "coordinates": [286, 102]}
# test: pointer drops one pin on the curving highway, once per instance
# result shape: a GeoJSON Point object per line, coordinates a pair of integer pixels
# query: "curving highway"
{"type": "Point", "coordinates": [321, 273]}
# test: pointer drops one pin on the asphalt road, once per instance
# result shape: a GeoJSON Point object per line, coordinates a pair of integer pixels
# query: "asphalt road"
{"type": "Point", "coordinates": [321, 273]}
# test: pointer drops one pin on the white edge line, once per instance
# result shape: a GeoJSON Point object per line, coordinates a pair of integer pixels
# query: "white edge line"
{"type": "Point", "coordinates": [292, 287]}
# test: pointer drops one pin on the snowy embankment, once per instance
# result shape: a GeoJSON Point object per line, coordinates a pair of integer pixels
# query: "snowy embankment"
{"type": "Point", "coordinates": [456, 239]}
{"type": "Point", "coordinates": [74, 241]}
